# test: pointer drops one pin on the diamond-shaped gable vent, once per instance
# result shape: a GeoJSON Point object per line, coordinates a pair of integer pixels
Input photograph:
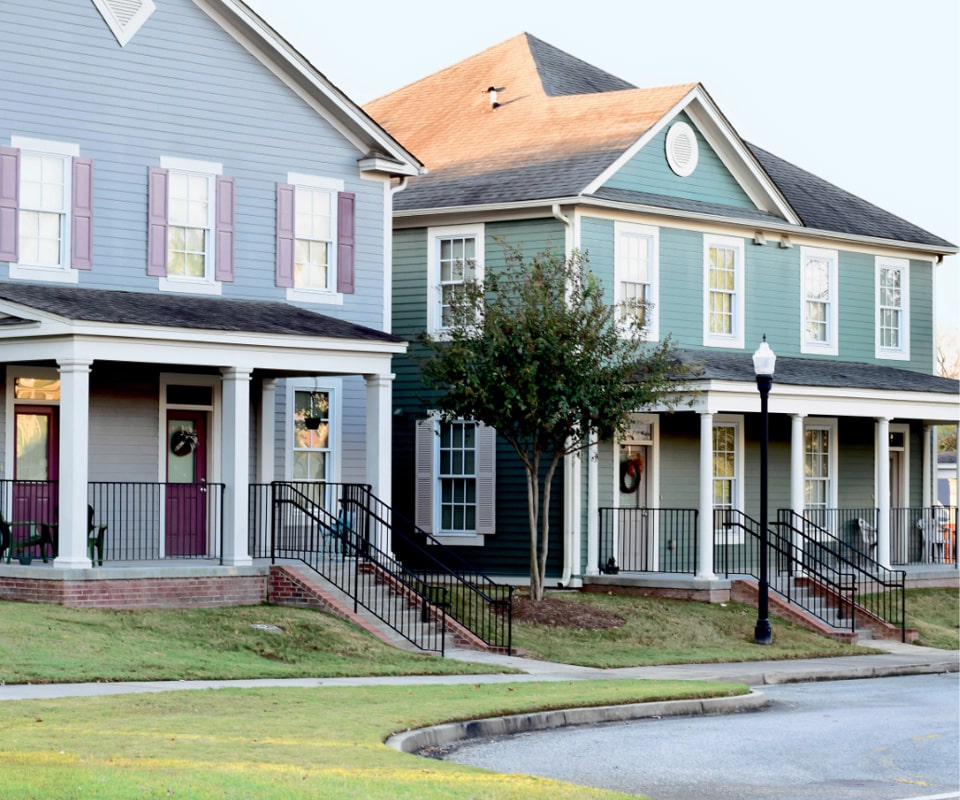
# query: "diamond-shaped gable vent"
{"type": "Point", "coordinates": [124, 17]}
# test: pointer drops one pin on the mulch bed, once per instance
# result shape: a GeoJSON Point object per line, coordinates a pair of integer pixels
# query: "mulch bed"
{"type": "Point", "coordinates": [564, 614]}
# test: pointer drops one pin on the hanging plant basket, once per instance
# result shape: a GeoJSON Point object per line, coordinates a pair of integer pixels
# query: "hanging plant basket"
{"type": "Point", "coordinates": [312, 423]}
{"type": "Point", "coordinates": [183, 442]}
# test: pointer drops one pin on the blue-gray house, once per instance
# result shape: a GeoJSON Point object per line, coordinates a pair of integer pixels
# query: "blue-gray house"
{"type": "Point", "coordinates": [194, 259]}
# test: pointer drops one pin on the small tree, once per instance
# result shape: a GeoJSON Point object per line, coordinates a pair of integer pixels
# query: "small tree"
{"type": "Point", "coordinates": [536, 353]}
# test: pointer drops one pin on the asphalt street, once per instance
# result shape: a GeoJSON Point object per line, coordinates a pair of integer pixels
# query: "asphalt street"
{"type": "Point", "coordinates": [879, 739]}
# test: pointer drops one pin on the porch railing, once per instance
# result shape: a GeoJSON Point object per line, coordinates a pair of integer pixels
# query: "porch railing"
{"type": "Point", "coordinates": [924, 535]}
{"type": "Point", "coordinates": [879, 590]}
{"type": "Point", "coordinates": [648, 540]}
{"type": "Point", "coordinates": [798, 568]}
{"type": "Point", "coordinates": [343, 531]}
{"type": "Point", "coordinates": [142, 521]}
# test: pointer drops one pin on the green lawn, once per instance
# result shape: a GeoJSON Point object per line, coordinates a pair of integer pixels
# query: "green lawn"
{"type": "Point", "coordinates": [282, 743]}
{"type": "Point", "coordinates": [935, 613]}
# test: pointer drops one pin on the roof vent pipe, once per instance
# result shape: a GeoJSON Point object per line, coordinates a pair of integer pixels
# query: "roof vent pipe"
{"type": "Point", "coordinates": [492, 91]}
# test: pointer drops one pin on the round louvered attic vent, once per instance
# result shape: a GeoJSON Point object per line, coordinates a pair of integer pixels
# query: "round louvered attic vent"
{"type": "Point", "coordinates": [682, 152]}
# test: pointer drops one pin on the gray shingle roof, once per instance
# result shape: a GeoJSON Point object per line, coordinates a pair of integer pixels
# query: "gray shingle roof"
{"type": "Point", "coordinates": [563, 74]}
{"type": "Point", "coordinates": [736, 366]}
{"type": "Point", "coordinates": [183, 311]}
{"type": "Point", "coordinates": [822, 205]}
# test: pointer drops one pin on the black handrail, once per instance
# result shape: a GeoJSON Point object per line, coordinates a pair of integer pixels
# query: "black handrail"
{"type": "Point", "coordinates": [339, 531]}
{"type": "Point", "coordinates": [796, 573]}
{"type": "Point", "coordinates": [880, 591]}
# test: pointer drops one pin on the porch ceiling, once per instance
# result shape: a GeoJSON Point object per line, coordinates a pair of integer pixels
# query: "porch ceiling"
{"type": "Point", "coordinates": [52, 322]}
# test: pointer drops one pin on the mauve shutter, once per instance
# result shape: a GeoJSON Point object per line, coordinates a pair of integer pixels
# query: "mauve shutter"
{"type": "Point", "coordinates": [346, 235]}
{"type": "Point", "coordinates": [285, 233]}
{"type": "Point", "coordinates": [486, 479]}
{"type": "Point", "coordinates": [423, 508]}
{"type": "Point", "coordinates": [157, 222]}
{"type": "Point", "coordinates": [81, 233]}
{"type": "Point", "coordinates": [9, 199]}
{"type": "Point", "coordinates": [226, 192]}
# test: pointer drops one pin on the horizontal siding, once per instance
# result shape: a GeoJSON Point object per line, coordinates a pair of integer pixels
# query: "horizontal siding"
{"type": "Point", "coordinates": [182, 87]}
{"type": "Point", "coordinates": [711, 181]}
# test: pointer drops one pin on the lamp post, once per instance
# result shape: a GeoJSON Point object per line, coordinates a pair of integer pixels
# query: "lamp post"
{"type": "Point", "coordinates": [764, 361]}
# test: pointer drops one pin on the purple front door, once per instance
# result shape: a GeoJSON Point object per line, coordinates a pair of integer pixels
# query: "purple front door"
{"type": "Point", "coordinates": [186, 533]}
{"type": "Point", "coordinates": [34, 469]}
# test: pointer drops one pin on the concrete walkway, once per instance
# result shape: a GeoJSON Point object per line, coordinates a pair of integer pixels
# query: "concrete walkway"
{"type": "Point", "coordinates": [900, 659]}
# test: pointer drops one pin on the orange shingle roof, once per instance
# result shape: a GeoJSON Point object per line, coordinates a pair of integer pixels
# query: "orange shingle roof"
{"type": "Point", "coordinates": [447, 120]}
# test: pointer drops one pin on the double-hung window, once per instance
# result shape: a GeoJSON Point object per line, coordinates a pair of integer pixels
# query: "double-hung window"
{"type": "Point", "coordinates": [454, 260]}
{"type": "Point", "coordinates": [315, 238]}
{"type": "Point", "coordinates": [893, 308]}
{"type": "Point", "coordinates": [455, 469]}
{"type": "Point", "coordinates": [190, 238]}
{"type": "Point", "coordinates": [723, 279]}
{"type": "Point", "coordinates": [636, 266]}
{"type": "Point", "coordinates": [819, 307]}
{"type": "Point", "coordinates": [727, 468]}
{"type": "Point", "coordinates": [46, 210]}
{"type": "Point", "coordinates": [819, 466]}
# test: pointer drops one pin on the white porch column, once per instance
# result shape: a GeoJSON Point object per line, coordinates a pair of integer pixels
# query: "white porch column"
{"type": "Point", "coordinates": [883, 490]}
{"type": "Point", "coordinates": [379, 444]}
{"type": "Point", "coordinates": [705, 541]}
{"type": "Point", "coordinates": [593, 507]}
{"type": "Point", "coordinates": [235, 454]}
{"type": "Point", "coordinates": [265, 431]}
{"type": "Point", "coordinates": [74, 456]}
{"type": "Point", "coordinates": [928, 492]}
{"type": "Point", "coordinates": [796, 463]}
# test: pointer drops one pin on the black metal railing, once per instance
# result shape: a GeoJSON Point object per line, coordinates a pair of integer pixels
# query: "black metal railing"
{"type": "Point", "coordinates": [648, 540]}
{"type": "Point", "coordinates": [152, 521]}
{"type": "Point", "coordinates": [879, 590]}
{"type": "Point", "coordinates": [923, 535]}
{"type": "Point", "coordinates": [795, 571]}
{"type": "Point", "coordinates": [376, 556]}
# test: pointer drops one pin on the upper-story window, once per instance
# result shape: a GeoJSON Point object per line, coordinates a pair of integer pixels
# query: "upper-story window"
{"type": "Point", "coordinates": [315, 238]}
{"type": "Point", "coordinates": [46, 210]}
{"type": "Point", "coordinates": [819, 306]}
{"type": "Point", "coordinates": [893, 308]}
{"type": "Point", "coordinates": [723, 317]}
{"type": "Point", "coordinates": [636, 266]}
{"type": "Point", "coordinates": [190, 239]}
{"type": "Point", "coordinates": [454, 259]}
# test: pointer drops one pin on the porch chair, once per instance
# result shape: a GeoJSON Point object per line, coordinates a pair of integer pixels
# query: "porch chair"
{"type": "Point", "coordinates": [933, 540]}
{"type": "Point", "coordinates": [866, 538]}
{"type": "Point", "coordinates": [5, 537]}
{"type": "Point", "coordinates": [95, 535]}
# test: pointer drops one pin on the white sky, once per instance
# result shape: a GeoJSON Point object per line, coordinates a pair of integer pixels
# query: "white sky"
{"type": "Point", "coordinates": [863, 93]}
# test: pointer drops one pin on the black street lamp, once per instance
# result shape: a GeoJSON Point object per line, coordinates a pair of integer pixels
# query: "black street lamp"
{"type": "Point", "coordinates": [764, 361]}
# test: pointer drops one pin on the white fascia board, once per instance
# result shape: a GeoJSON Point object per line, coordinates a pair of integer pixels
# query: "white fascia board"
{"type": "Point", "coordinates": [299, 75]}
{"type": "Point", "coordinates": [818, 401]}
{"type": "Point", "coordinates": [329, 360]}
{"type": "Point", "coordinates": [725, 142]}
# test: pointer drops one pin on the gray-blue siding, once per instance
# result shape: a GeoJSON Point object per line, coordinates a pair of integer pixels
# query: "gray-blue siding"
{"type": "Point", "coordinates": [181, 87]}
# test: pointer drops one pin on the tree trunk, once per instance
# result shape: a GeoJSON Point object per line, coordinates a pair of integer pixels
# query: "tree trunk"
{"type": "Point", "coordinates": [533, 516]}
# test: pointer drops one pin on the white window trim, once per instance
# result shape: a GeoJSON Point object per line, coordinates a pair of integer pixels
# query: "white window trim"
{"type": "Point", "coordinates": [208, 285]}
{"type": "Point", "coordinates": [831, 345]}
{"type": "Point", "coordinates": [433, 267]}
{"type": "Point", "coordinates": [334, 387]}
{"type": "Point", "coordinates": [651, 331]}
{"type": "Point", "coordinates": [901, 353]}
{"type": "Point", "coordinates": [830, 425]}
{"type": "Point", "coordinates": [64, 273]}
{"type": "Point", "coordinates": [736, 338]}
{"type": "Point", "coordinates": [330, 296]}
{"type": "Point", "coordinates": [735, 421]}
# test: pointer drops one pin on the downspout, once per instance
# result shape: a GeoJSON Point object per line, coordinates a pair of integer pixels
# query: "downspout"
{"type": "Point", "coordinates": [388, 255]}
{"type": "Point", "coordinates": [571, 493]}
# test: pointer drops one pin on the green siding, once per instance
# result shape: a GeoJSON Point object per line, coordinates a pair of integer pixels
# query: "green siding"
{"type": "Point", "coordinates": [681, 286]}
{"type": "Point", "coordinates": [711, 181]}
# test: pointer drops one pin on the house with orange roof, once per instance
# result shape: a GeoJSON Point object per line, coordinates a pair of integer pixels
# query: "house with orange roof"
{"type": "Point", "coordinates": [726, 243]}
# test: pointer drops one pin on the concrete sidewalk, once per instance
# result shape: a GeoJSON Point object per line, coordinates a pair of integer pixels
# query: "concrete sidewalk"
{"type": "Point", "coordinates": [900, 659]}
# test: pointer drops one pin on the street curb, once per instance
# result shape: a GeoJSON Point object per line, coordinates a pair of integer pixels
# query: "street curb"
{"type": "Point", "coordinates": [449, 733]}
{"type": "Point", "coordinates": [855, 673]}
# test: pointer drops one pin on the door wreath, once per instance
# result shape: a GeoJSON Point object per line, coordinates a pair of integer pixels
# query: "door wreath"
{"type": "Point", "coordinates": [630, 471]}
{"type": "Point", "coordinates": [183, 442]}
